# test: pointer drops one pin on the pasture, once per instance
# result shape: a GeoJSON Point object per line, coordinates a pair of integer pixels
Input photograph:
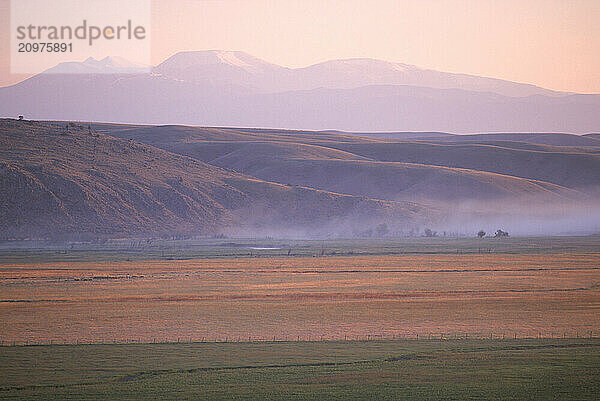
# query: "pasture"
{"type": "Point", "coordinates": [319, 290]}
{"type": "Point", "coordinates": [383, 370]}
{"type": "Point", "coordinates": [417, 318]}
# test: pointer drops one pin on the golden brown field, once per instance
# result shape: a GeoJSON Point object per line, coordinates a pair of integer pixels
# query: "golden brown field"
{"type": "Point", "coordinates": [304, 297]}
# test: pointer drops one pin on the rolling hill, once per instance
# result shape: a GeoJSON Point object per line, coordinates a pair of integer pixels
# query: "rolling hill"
{"type": "Point", "coordinates": [397, 181]}
{"type": "Point", "coordinates": [525, 187]}
{"type": "Point", "coordinates": [275, 153]}
{"type": "Point", "coordinates": [553, 139]}
{"type": "Point", "coordinates": [572, 170]}
{"type": "Point", "coordinates": [59, 180]}
{"type": "Point", "coordinates": [63, 179]}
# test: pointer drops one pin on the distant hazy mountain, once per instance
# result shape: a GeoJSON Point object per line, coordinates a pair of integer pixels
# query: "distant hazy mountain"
{"type": "Point", "coordinates": [224, 68]}
{"type": "Point", "coordinates": [239, 68]}
{"type": "Point", "coordinates": [108, 65]}
{"type": "Point", "coordinates": [221, 88]}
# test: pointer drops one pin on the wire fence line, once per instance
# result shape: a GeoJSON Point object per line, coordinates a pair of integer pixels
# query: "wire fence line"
{"type": "Point", "coordinates": [428, 336]}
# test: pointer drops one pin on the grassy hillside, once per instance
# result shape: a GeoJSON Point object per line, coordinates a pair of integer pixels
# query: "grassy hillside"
{"type": "Point", "coordinates": [555, 139]}
{"type": "Point", "coordinates": [58, 179]}
{"type": "Point", "coordinates": [572, 170]}
{"type": "Point", "coordinates": [169, 134]}
{"type": "Point", "coordinates": [522, 166]}
{"type": "Point", "coordinates": [179, 179]}
{"type": "Point", "coordinates": [393, 180]}
{"type": "Point", "coordinates": [513, 144]}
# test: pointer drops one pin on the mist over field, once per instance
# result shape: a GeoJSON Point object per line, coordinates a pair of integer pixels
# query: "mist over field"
{"type": "Point", "coordinates": [522, 218]}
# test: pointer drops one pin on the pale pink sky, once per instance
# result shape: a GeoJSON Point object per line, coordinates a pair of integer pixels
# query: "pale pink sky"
{"type": "Point", "coordinates": [551, 43]}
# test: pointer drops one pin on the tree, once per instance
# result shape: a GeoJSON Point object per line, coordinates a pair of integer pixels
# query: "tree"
{"type": "Point", "coordinates": [382, 230]}
{"type": "Point", "coordinates": [21, 118]}
{"type": "Point", "coordinates": [481, 234]}
{"type": "Point", "coordinates": [499, 233]}
{"type": "Point", "coordinates": [429, 233]}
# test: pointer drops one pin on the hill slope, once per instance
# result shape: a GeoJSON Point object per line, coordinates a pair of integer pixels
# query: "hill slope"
{"type": "Point", "coordinates": [57, 181]}
{"type": "Point", "coordinates": [572, 170]}
{"type": "Point", "coordinates": [396, 181]}
{"type": "Point", "coordinates": [553, 139]}
{"type": "Point", "coordinates": [304, 158]}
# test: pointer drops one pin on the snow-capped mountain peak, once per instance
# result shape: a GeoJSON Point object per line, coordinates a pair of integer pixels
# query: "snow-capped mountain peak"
{"type": "Point", "coordinates": [231, 58]}
{"type": "Point", "coordinates": [186, 60]}
{"type": "Point", "coordinates": [107, 65]}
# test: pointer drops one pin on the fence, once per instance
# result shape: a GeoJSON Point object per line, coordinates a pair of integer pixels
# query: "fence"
{"type": "Point", "coordinates": [427, 336]}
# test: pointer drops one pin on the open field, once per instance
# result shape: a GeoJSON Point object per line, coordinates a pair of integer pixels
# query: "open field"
{"type": "Point", "coordinates": [410, 318]}
{"type": "Point", "coordinates": [15, 252]}
{"type": "Point", "coordinates": [384, 370]}
{"type": "Point", "coordinates": [324, 289]}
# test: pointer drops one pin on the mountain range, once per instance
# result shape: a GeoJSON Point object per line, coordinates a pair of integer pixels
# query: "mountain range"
{"type": "Point", "coordinates": [226, 88]}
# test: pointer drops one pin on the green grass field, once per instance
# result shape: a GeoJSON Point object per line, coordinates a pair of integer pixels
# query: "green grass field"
{"type": "Point", "coordinates": [520, 369]}
{"type": "Point", "coordinates": [127, 249]}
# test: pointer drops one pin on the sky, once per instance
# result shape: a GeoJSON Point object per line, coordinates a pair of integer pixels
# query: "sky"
{"type": "Point", "coordinates": [551, 43]}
